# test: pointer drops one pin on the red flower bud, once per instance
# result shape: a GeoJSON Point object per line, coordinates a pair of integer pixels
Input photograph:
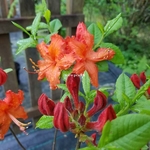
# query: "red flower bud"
{"type": "Point", "coordinates": [107, 114]}
{"type": "Point", "coordinates": [94, 139]}
{"type": "Point", "coordinates": [81, 107]}
{"type": "Point", "coordinates": [143, 77]}
{"type": "Point", "coordinates": [135, 80]}
{"type": "Point", "coordinates": [73, 82]}
{"type": "Point", "coordinates": [3, 76]}
{"type": "Point", "coordinates": [99, 103]}
{"type": "Point", "coordinates": [82, 120]}
{"type": "Point", "coordinates": [61, 118]}
{"type": "Point", "coordinates": [46, 105]}
{"type": "Point", "coordinates": [75, 114]}
{"type": "Point", "coordinates": [68, 105]}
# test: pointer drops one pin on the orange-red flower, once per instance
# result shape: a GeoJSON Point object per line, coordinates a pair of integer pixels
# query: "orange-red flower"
{"type": "Point", "coordinates": [10, 109]}
{"type": "Point", "coordinates": [55, 59]}
{"type": "Point", "coordinates": [86, 58]}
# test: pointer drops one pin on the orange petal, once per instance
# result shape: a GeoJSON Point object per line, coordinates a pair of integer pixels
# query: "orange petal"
{"type": "Point", "coordinates": [44, 67]}
{"type": "Point", "coordinates": [13, 100]}
{"type": "Point", "coordinates": [4, 125]}
{"type": "Point", "coordinates": [92, 70]}
{"type": "Point", "coordinates": [66, 61]}
{"type": "Point", "coordinates": [101, 54]}
{"type": "Point", "coordinates": [53, 76]}
{"type": "Point", "coordinates": [18, 113]}
{"type": "Point", "coordinates": [56, 46]}
{"type": "Point", "coordinates": [84, 36]}
{"type": "Point", "coordinates": [42, 49]}
{"type": "Point", "coordinates": [79, 67]}
{"type": "Point", "coordinates": [79, 48]}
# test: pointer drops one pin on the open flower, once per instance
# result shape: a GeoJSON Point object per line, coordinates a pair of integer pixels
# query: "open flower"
{"type": "Point", "coordinates": [55, 59]}
{"type": "Point", "coordinates": [3, 76]}
{"type": "Point", "coordinates": [86, 57]}
{"type": "Point", "coordinates": [10, 109]}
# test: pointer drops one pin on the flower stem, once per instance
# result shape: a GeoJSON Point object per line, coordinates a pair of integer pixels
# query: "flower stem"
{"type": "Point", "coordinates": [54, 140]}
{"type": "Point", "coordinates": [78, 144]}
{"type": "Point", "coordinates": [13, 133]}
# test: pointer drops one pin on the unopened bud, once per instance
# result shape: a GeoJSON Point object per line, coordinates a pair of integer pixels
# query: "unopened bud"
{"type": "Point", "coordinates": [73, 82]}
{"type": "Point", "coordinates": [82, 120]}
{"type": "Point", "coordinates": [46, 105]}
{"type": "Point", "coordinates": [68, 105]}
{"type": "Point", "coordinates": [61, 118]}
{"type": "Point", "coordinates": [135, 80]}
{"type": "Point", "coordinates": [100, 102]}
{"type": "Point", "coordinates": [143, 77]}
{"type": "Point", "coordinates": [3, 76]}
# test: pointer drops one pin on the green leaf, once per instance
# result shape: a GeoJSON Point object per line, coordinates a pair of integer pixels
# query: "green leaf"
{"type": "Point", "coordinates": [142, 90]}
{"type": "Point", "coordinates": [64, 96]}
{"type": "Point", "coordinates": [142, 107]}
{"type": "Point", "coordinates": [21, 28]}
{"type": "Point", "coordinates": [127, 132]}
{"type": "Point", "coordinates": [90, 148]}
{"type": "Point", "coordinates": [24, 44]}
{"type": "Point", "coordinates": [35, 25]}
{"type": "Point", "coordinates": [45, 122]}
{"type": "Point", "coordinates": [63, 87]}
{"type": "Point", "coordinates": [113, 25]}
{"type": "Point", "coordinates": [86, 82]}
{"type": "Point", "coordinates": [42, 25]}
{"type": "Point", "coordinates": [55, 25]}
{"type": "Point", "coordinates": [47, 15]}
{"type": "Point", "coordinates": [8, 70]}
{"type": "Point", "coordinates": [102, 65]}
{"type": "Point", "coordinates": [142, 64]}
{"type": "Point", "coordinates": [118, 57]}
{"type": "Point", "coordinates": [124, 86]}
{"type": "Point", "coordinates": [94, 29]}
{"type": "Point", "coordinates": [65, 74]}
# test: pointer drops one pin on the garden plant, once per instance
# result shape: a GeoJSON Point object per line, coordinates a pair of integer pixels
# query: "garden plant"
{"type": "Point", "coordinates": [73, 62]}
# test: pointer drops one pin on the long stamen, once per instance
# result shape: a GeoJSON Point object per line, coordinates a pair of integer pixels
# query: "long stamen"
{"type": "Point", "coordinates": [21, 125]}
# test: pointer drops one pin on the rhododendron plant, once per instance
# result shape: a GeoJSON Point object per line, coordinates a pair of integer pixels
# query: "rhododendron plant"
{"type": "Point", "coordinates": [72, 64]}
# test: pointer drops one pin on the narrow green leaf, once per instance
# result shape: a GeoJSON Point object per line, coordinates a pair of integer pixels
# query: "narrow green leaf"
{"type": "Point", "coordinates": [64, 96]}
{"type": "Point", "coordinates": [45, 122]}
{"type": "Point", "coordinates": [21, 28]}
{"type": "Point", "coordinates": [86, 82]}
{"type": "Point", "coordinates": [8, 70]}
{"type": "Point", "coordinates": [55, 25]}
{"type": "Point", "coordinates": [113, 25]}
{"type": "Point", "coordinates": [24, 44]}
{"type": "Point", "coordinates": [90, 148]}
{"type": "Point", "coordinates": [127, 132]}
{"type": "Point", "coordinates": [124, 86]}
{"type": "Point", "coordinates": [63, 87]}
{"type": "Point", "coordinates": [94, 29]}
{"type": "Point", "coordinates": [118, 57]}
{"type": "Point", "coordinates": [35, 24]}
{"type": "Point", "coordinates": [65, 74]}
{"type": "Point", "coordinates": [47, 15]}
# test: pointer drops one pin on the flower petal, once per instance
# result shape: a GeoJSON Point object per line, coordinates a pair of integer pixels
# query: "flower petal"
{"type": "Point", "coordinates": [14, 100]}
{"type": "Point", "coordinates": [84, 36]}
{"type": "Point", "coordinates": [4, 125]}
{"type": "Point", "coordinates": [92, 70]}
{"type": "Point", "coordinates": [100, 54]}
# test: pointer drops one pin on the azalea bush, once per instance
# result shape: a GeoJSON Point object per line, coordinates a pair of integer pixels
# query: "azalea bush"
{"type": "Point", "coordinates": [72, 63]}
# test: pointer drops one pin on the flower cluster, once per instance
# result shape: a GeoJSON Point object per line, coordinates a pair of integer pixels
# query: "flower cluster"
{"type": "Point", "coordinates": [138, 81]}
{"type": "Point", "coordinates": [73, 115]}
{"type": "Point", "coordinates": [75, 51]}
{"type": "Point", "coordinates": [10, 109]}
